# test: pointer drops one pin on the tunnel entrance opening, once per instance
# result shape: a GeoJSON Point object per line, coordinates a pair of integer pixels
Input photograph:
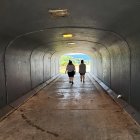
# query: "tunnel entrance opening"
{"type": "Point", "coordinates": [76, 59]}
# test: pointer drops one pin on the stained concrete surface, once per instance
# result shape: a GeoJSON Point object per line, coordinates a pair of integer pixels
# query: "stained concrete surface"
{"type": "Point", "coordinates": [61, 111]}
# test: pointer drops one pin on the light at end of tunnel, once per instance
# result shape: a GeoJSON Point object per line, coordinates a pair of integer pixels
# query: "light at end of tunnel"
{"type": "Point", "coordinates": [67, 35]}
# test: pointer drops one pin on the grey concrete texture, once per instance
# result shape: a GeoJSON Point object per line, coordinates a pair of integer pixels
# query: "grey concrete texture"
{"type": "Point", "coordinates": [61, 111]}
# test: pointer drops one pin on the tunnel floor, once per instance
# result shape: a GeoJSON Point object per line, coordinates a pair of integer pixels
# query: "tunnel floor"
{"type": "Point", "coordinates": [61, 111]}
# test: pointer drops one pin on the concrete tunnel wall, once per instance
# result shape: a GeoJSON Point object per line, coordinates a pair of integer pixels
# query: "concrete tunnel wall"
{"type": "Point", "coordinates": [25, 65]}
{"type": "Point", "coordinates": [112, 65]}
{"type": "Point", "coordinates": [117, 66]}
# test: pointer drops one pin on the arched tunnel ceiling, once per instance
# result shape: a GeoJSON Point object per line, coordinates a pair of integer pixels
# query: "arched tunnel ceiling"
{"type": "Point", "coordinates": [87, 40]}
{"type": "Point", "coordinates": [92, 21]}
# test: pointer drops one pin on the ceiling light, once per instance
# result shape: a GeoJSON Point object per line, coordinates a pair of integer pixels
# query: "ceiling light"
{"type": "Point", "coordinates": [67, 35]}
{"type": "Point", "coordinates": [71, 43]}
{"type": "Point", "coordinates": [58, 12]}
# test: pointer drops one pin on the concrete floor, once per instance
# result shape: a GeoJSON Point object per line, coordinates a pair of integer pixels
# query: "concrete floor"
{"type": "Point", "coordinates": [62, 111]}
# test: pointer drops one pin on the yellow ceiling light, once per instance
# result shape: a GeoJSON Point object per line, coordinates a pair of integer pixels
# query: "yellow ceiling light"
{"type": "Point", "coordinates": [67, 35]}
{"type": "Point", "coordinates": [58, 12]}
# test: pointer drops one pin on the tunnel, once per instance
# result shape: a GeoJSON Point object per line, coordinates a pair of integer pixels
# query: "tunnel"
{"type": "Point", "coordinates": [32, 42]}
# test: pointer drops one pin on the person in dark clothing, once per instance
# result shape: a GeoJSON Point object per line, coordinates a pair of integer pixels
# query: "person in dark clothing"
{"type": "Point", "coordinates": [70, 69]}
{"type": "Point", "coordinates": [82, 71]}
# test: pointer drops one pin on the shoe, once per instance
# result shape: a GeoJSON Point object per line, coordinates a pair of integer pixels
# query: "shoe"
{"type": "Point", "coordinates": [72, 82]}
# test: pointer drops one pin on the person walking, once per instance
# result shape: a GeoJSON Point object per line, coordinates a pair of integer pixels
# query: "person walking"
{"type": "Point", "coordinates": [82, 71]}
{"type": "Point", "coordinates": [70, 69]}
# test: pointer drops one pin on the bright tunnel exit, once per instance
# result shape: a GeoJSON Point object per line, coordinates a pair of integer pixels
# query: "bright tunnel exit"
{"type": "Point", "coordinates": [76, 59]}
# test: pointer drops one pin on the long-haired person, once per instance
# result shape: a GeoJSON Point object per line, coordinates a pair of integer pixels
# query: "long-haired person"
{"type": "Point", "coordinates": [70, 69]}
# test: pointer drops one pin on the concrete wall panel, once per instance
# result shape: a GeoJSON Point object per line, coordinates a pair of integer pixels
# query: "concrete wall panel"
{"type": "Point", "coordinates": [94, 65]}
{"type": "Point", "coordinates": [18, 73]}
{"type": "Point", "coordinates": [47, 67]}
{"type": "Point", "coordinates": [53, 65]}
{"type": "Point", "coordinates": [37, 67]}
{"type": "Point", "coordinates": [120, 69]}
{"type": "Point", "coordinates": [3, 45]}
{"type": "Point", "coordinates": [106, 68]}
{"type": "Point", "coordinates": [135, 75]}
{"type": "Point", "coordinates": [112, 66]}
{"type": "Point", "coordinates": [99, 65]}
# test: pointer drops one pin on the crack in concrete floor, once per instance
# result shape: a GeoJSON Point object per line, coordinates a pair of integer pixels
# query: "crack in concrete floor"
{"type": "Point", "coordinates": [36, 126]}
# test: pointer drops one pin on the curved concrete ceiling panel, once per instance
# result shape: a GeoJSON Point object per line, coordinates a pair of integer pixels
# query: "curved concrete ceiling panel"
{"type": "Point", "coordinates": [87, 40]}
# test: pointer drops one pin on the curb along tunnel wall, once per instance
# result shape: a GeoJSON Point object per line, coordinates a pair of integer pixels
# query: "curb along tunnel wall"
{"type": "Point", "coordinates": [27, 65]}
